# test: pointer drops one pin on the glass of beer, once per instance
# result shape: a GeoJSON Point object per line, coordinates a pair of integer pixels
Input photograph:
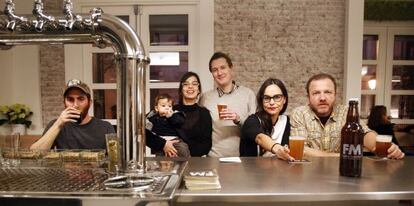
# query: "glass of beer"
{"type": "Point", "coordinates": [220, 107]}
{"type": "Point", "coordinates": [296, 146]}
{"type": "Point", "coordinates": [113, 147]}
{"type": "Point", "coordinates": [383, 143]}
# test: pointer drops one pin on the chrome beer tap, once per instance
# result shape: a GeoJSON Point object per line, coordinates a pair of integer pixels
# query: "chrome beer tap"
{"type": "Point", "coordinates": [9, 10]}
{"type": "Point", "coordinates": [70, 18]}
{"type": "Point", "coordinates": [41, 17]}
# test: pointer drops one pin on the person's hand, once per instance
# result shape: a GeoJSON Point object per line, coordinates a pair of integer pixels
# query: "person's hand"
{"type": "Point", "coordinates": [169, 148]}
{"type": "Point", "coordinates": [394, 152]}
{"type": "Point", "coordinates": [169, 113]}
{"type": "Point", "coordinates": [282, 152]}
{"type": "Point", "coordinates": [228, 114]}
{"type": "Point", "coordinates": [70, 114]}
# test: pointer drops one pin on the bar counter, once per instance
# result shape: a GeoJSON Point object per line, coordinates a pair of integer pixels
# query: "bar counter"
{"type": "Point", "coordinates": [270, 180]}
{"type": "Point", "coordinates": [263, 181]}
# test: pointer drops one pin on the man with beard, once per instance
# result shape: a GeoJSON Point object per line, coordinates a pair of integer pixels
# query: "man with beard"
{"type": "Point", "coordinates": [321, 121]}
{"type": "Point", "coordinates": [75, 128]}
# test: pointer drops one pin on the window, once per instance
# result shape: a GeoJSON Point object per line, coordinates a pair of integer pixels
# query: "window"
{"type": "Point", "coordinates": [170, 41]}
{"type": "Point", "coordinates": [387, 75]}
{"type": "Point", "coordinates": [171, 33]}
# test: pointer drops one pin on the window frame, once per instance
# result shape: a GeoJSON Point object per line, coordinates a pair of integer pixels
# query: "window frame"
{"type": "Point", "coordinates": [386, 32]}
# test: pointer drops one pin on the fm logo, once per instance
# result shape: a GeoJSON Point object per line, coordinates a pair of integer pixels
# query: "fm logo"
{"type": "Point", "coordinates": [352, 150]}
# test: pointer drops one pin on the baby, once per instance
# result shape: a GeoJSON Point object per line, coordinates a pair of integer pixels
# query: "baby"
{"type": "Point", "coordinates": [164, 122]}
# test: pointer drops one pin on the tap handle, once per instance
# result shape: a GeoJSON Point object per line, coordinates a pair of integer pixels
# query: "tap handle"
{"type": "Point", "coordinates": [38, 12]}
{"type": "Point", "coordinates": [68, 8]}
{"type": "Point", "coordinates": [9, 10]}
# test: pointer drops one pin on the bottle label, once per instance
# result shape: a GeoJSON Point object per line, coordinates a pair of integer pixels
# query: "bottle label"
{"type": "Point", "coordinates": [351, 150]}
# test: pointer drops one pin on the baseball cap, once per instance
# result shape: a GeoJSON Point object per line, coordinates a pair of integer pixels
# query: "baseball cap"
{"type": "Point", "coordinates": [76, 83]}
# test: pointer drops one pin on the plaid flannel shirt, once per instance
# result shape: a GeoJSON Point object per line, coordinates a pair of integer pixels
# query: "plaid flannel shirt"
{"type": "Point", "coordinates": [304, 122]}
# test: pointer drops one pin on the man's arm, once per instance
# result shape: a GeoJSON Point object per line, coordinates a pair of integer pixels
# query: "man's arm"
{"type": "Point", "coordinates": [394, 151]}
{"type": "Point", "coordinates": [48, 138]}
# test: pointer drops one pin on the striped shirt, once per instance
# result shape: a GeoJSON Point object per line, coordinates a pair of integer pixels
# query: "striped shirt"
{"type": "Point", "coordinates": [304, 122]}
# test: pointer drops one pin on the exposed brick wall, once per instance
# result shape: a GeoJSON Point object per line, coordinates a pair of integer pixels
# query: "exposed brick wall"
{"type": "Point", "coordinates": [52, 72]}
{"type": "Point", "coordinates": [287, 39]}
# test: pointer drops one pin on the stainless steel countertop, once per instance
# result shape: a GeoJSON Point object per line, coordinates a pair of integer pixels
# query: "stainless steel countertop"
{"type": "Point", "coordinates": [274, 180]}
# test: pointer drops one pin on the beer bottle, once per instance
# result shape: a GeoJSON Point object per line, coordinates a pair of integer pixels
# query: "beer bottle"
{"type": "Point", "coordinates": [352, 142]}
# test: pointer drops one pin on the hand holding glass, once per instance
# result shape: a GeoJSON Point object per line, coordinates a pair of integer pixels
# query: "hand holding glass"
{"type": "Point", "coordinates": [383, 143]}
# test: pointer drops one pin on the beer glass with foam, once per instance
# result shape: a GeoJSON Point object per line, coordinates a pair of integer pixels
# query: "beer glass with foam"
{"type": "Point", "coordinates": [296, 146]}
{"type": "Point", "coordinates": [383, 143]}
{"type": "Point", "coordinates": [220, 107]}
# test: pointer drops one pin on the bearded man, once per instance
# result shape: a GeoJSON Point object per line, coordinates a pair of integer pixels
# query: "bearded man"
{"type": "Point", "coordinates": [75, 128]}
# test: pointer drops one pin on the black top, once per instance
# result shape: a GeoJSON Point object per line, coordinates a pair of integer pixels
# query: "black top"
{"type": "Point", "coordinates": [88, 136]}
{"type": "Point", "coordinates": [251, 128]}
{"type": "Point", "coordinates": [197, 128]}
{"type": "Point", "coordinates": [196, 131]}
{"type": "Point", "coordinates": [166, 126]}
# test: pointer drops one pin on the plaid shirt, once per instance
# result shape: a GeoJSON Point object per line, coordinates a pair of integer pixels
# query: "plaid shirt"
{"type": "Point", "coordinates": [305, 123]}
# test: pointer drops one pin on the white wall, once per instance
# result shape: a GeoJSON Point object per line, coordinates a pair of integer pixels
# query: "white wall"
{"type": "Point", "coordinates": [354, 31]}
{"type": "Point", "coordinates": [20, 82]}
{"type": "Point", "coordinates": [19, 79]}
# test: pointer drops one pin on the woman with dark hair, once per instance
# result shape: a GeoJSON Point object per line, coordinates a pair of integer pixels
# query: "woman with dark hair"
{"type": "Point", "coordinates": [264, 132]}
{"type": "Point", "coordinates": [379, 122]}
{"type": "Point", "coordinates": [197, 127]}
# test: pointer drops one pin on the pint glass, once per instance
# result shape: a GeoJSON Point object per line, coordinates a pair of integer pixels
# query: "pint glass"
{"type": "Point", "coordinates": [220, 107]}
{"type": "Point", "coordinates": [296, 146]}
{"type": "Point", "coordinates": [383, 143]}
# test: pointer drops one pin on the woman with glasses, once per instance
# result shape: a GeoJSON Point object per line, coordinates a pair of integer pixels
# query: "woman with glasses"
{"type": "Point", "coordinates": [267, 131]}
{"type": "Point", "coordinates": [197, 127]}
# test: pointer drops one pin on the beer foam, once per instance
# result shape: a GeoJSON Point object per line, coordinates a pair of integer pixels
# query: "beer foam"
{"type": "Point", "coordinates": [297, 138]}
{"type": "Point", "coordinates": [384, 138]}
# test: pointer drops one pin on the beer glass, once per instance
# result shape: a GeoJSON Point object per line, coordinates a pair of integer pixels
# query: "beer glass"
{"type": "Point", "coordinates": [9, 149]}
{"type": "Point", "coordinates": [296, 146]}
{"type": "Point", "coordinates": [383, 143]}
{"type": "Point", "coordinates": [220, 107]}
{"type": "Point", "coordinates": [113, 147]}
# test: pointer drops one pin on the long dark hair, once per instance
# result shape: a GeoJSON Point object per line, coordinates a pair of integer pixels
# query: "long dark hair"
{"type": "Point", "coordinates": [265, 118]}
{"type": "Point", "coordinates": [183, 79]}
{"type": "Point", "coordinates": [378, 116]}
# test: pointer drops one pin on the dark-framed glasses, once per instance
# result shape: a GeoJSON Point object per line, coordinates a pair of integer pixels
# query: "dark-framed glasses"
{"type": "Point", "coordinates": [187, 84]}
{"type": "Point", "coordinates": [74, 82]}
{"type": "Point", "coordinates": [276, 98]}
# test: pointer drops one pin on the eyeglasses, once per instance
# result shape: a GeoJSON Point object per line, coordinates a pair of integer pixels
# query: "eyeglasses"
{"type": "Point", "coordinates": [74, 82]}
{"type": "Point", "coordinates": [187, 84]}
{"type": "Point", "coordinates": [276, 98]}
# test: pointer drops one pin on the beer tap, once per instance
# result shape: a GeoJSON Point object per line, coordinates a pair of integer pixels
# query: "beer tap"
{"type": "Point", "coordinates": [70, 18]}
{"type": "Point", "coordinates": [9, 10]}
{"type": "Point", "coordinates": [41, 17]}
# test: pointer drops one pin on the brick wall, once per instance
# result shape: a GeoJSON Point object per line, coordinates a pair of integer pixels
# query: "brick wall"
{"type": "Point", "coordinates": [286, 39]}
{"type": "Point", "coordinates": [52, 73]}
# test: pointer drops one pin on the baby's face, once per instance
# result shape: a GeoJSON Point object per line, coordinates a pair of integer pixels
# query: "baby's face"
{"type": "Point", "coordinates": [163, 107]}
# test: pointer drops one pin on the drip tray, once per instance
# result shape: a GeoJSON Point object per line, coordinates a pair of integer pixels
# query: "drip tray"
{"type": "Point", "coordinates": [136, 183]}
{"type": "Point", "coordinates": [43, 182]}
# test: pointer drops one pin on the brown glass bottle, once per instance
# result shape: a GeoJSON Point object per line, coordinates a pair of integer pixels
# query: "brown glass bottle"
{"type": "Point", "coordinates": [352, 142]}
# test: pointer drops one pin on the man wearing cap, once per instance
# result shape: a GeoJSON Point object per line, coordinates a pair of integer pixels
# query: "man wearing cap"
{"type": "Point", "coordinates": [75, 128]}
